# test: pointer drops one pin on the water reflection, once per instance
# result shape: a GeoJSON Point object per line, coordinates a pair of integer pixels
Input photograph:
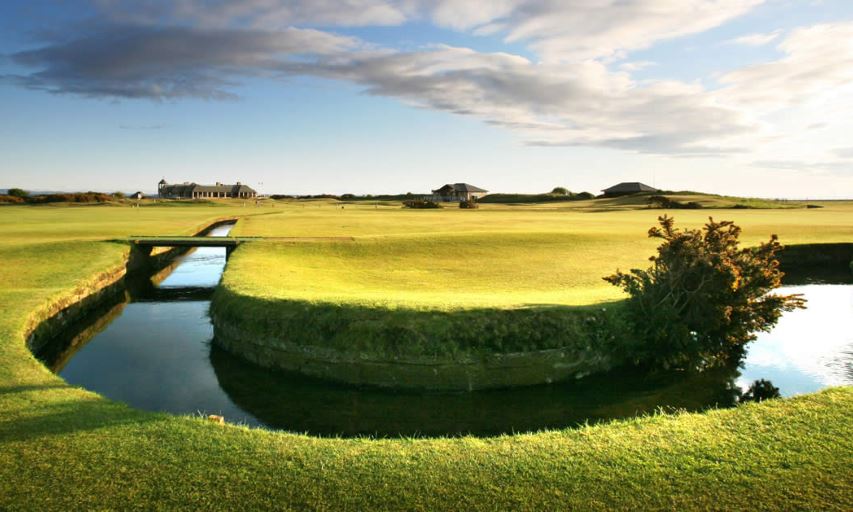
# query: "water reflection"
{"type": "Point", "coordinates": [152, 350]}
{"type": "Point", "coordinates": [809, 349]}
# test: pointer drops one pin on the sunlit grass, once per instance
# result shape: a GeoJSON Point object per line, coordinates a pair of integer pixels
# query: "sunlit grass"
{"type": "Point", "coordinates": [63, 448]}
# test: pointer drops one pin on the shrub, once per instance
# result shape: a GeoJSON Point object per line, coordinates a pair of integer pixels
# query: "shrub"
{"type": "Point", "coordinates": [11, 199]}
{"type": "Point", "coordinates": [658, 201]}
{"type": "Point", "coordinates": [119, 195]}
{"type": "Point", "coordinates": [17, 192]}
{"type": "Point", "coordinates": [560, 191]}
{"type": "Point", "coordinates": [759, 391]}
{"type": "Point", "coordinates": [471, 205]}
{"type": "Point", "coordinates": [420, 204]}
{"type": "Point", "coordinates": [77, 197]}
{"type": "Point", "coordinates": [584, 195]}
{"type": "Point", "coordinates": [703, 298]}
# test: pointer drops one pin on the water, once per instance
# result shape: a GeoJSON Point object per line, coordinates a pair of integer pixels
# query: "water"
{"type": "Point", "coordinates": [154, 352]}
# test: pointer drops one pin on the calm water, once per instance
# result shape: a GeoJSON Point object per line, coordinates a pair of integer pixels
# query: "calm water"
{"type": "Point", "coordinates": [155, 353]}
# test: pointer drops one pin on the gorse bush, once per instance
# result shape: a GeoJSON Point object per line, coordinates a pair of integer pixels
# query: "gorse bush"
{"type": "Point", "coordinates": [703, 299]}
{"type": "Point", "coordinates": [658, 201]}
{"type": "Point", "coordinates": [421, 204]}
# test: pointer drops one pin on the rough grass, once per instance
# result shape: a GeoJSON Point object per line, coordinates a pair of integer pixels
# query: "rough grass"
{"type": "Point", "coordinates": [63, 448]}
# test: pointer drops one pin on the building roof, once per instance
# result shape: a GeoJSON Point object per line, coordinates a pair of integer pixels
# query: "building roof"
{"type": "Point", "coordinates": [190, 188]}
{"type": "Point", "coordinates": [459, 187]}
{"type": "Point", "coordinates": [629, 187]}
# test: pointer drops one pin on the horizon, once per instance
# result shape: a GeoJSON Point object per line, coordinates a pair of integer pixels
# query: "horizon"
{"type": "Point", "coordinates": [747, 98]}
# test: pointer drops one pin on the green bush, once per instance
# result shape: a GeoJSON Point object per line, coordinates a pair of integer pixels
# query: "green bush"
{"type": "Point", "coordinates": [703, 298]}
{"type": "Point", "coordinates": [420, 204]}
{"type": "Point", "coordinates": [17, 192]}
{"type": "Point", "coordinates": [11, 199]}
{"type": "Point", "coordinates": [469, 205]}
{"type": "Point", "coordinates": [658, 201]}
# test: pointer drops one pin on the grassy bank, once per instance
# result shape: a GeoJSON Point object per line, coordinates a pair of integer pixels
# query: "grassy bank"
{"type": "Point", "coordinates": [65, 448]}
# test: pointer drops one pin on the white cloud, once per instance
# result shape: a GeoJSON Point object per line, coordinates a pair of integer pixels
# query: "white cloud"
{"type": "Point", "coordinates": [568, 95]}
{"type": "Point", "coordinates": [818, 61]}
{"type": "Point", "coordinates": [759, 39]}
{"type": "Point", "coordinates": [572, 30]}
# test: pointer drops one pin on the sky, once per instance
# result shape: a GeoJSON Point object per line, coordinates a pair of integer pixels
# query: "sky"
{"type": "Point", "coordinates": [739, 97]}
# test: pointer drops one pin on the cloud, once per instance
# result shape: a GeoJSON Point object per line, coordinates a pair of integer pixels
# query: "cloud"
{"type": "Point", "coordinates": [760, 39]}
{"type": "Point", "coordinates": [547, 104]}
{"type": "Point", "coordinates": [571, 94]}
{"type": "Point", "coordinates": [259, 14]}
{"type": "Point", "coordinates": [845, 153]}
{"type": "Point", "coordinates": [818, 60]}
{"type": "Point", "coordinates": [173, 62]}
{"type": "Point", "coordinates": [572, 30]}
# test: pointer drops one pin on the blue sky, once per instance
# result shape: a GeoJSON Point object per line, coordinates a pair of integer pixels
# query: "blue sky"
{"type": "Point", "coordinates": [382, 96]}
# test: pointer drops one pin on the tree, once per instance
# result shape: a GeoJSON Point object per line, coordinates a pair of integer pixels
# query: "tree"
{"type": "Point", "coordinates": [703, 299]}
{"type": "Point", "coordinates": [759, 391]}
{"type": "Point", "coordinates": [560, 191]}
{"type": "Point", "coordinates": [17, 192]}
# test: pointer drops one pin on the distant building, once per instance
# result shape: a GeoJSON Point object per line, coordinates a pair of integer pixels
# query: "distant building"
{"type": "Point", "coordinates": [458, 192]}
{"type": "Point", "coordinates": [137, 195]}
{"type": "Point", "coordinates": [628, 187]}
{"type": "Point", "coordinates": [189, 190]}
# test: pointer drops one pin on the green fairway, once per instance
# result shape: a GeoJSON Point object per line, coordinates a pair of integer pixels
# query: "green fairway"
{"type": "Point", "coordinates": [64, 448]}
{"type": "Point", "coordinates": [497, 256]}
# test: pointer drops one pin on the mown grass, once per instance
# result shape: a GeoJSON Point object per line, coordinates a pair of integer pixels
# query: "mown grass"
{"type": "Point", "coordinates": [63, 448]}
{"type": "Point", "coordinates": [497, 256]}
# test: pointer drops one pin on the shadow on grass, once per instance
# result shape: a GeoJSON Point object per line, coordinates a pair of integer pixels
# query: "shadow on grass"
{"type": "Point", "coordinates": [39, 420]}
{"type": "Point", "coordinates": [10, 390]}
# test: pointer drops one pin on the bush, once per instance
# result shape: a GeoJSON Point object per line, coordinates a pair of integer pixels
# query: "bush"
{"type": "Point", "coordinates": [11, 199]}
{"type": "Point", "coordinates": [470, 205]}
{"type": "Point", "coordinates": [77, 197]}
{"type": "Point", "coordinates": [17, 192]}
{"type": "Point", "coordinates": [658, 201]}
{"type": "Point", "coordinates": [119, 195]}
{"type": "Point", "coordinates": [703, 298]}
{"type": "Point", "coordinates": [759, 391]}
{"type": "Point", "coordinates": [584, 195]}
{"type": "Point", "coordinates": [560, 191]}
{"type": "Point", "coordinates": [420, 204]}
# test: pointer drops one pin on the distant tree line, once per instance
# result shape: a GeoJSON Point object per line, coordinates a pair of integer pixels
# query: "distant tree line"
{"type": "Point", "coordinates": [21, 196]}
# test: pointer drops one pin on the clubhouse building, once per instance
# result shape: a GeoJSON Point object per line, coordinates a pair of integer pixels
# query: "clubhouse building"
{"type": "Point", "coordinates": [189, 190]}
{"type": "Point", "coordinates": [628, 187]}
{"type": "Point", "coordinates": [458, 192]}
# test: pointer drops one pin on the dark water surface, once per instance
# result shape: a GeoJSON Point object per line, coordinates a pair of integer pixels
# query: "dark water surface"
{"type": "Point", "coordinates": [154, 352]}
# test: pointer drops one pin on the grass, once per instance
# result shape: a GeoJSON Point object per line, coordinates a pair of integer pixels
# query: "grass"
{"type": "Point", "coordinates": [497, 256]}
{"type": "Point", "coordinates": [64, 448]}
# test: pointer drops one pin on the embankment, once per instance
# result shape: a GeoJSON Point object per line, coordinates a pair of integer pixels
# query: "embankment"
{"type": "Point", "coordinates": [102, 292]}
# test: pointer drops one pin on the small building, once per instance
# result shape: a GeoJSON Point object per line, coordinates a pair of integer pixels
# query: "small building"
{"type": "Point", "coordinates": [189, 190]}
{"type": "Point", "coordinates": [458, 192]}
{"type": "Point", "coordinates": [628, 187]}
{"type": "Point", "coordinates": [137, 195]}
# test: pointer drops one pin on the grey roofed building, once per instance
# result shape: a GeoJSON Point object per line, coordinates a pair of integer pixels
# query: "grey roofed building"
{"type": "Point", "coordinates": [458, 192]}
{"type": "Point", "coordinates": [628, 187]}
{"type": "Point", "coordinates": [189, 190]}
